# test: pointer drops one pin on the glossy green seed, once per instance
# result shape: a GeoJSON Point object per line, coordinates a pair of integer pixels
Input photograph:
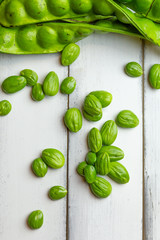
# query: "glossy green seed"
{"type": "Point", "coordinates": [154, 76]}
{"type": "Point", "coordinates": [14, 84]}
{"type": "Point", "coordinates": [102, 164]}
{"type": "Point", "coordinates": [91, 158]}
{"type": "Point", "coordinates": [127, 119]}
{"type": "Point", "coordinates": [101, 188]}
{"type": "Point", "coordinates": [94, 140]}
{"type": "Point", "coordinates": [90, 174]}
{"type": "Point", "coordinates": [39, 167]}
{"type": "Point", "coordinates": [69, 54]}
{"type": "Point", "coordinates": [92, 118]}
{"type": "Point", "coordinates": [109, 132]}
{"type": "Point", "coordinates": [37, 92]}
{"type": "Point", "coordinates": [59, 7]}
{"type": "Point", "coordinates": [92, 105]}
{"type": "Point", "coordinates": [57, 192]}
{"type": "Point", "coordinates": [30, 76]}
{"type": "Point", "coordinates": [35, 219]}
{"type": "Point", "coordinates": [118, 173]}
{"type": "Point", "coordinates": [5, 107]}
{"type": "Point", "coordinates": [133, 69]}
{"type": "Point", "coordinates": [73, 119]}
{"type": "Point", "coordinates": [104, 97]}
{"type": "Point", "coordinates": [68, 85]}
{"type": "Point", "coordinates": [51, 84]}
{"type": "Point", "coordinates": [80, 168]}
{"type": "Point", "coordinates": [115, 153]}
{"type": "Point", "coordinates": [53, 158]}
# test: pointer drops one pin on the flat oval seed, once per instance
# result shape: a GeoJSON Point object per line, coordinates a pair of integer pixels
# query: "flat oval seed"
{"type": "Point", "coordinates": [69, 54]}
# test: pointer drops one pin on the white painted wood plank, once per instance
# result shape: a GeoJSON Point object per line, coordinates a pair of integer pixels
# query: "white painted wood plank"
{"type": "Point", "coordinates": [25, 132]}
{"type": "Point", "coordinates": [100, 66]}
{"type": "Point", "coordinates": [152, 150]}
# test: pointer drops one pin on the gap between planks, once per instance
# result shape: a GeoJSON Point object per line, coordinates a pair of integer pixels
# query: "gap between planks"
{"type": "Point", "coordinates": [67, 175]}
{"type": "Point", "coordinates": [143, 144]}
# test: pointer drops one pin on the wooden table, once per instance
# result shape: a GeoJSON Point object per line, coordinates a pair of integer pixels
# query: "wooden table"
{"type": "Point", "coordinates": [132, 212]}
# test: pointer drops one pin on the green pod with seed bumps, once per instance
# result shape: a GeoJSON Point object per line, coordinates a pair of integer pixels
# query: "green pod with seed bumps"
{"type": "Point", "coordinates": [94, 140]}
{"type": "Point", "coordinates": [68, 85]}
{"type": "Point", "coordinates": [101, 188]}
{"type": "Point", "coordinates": [35, 219]}
{"type": "Point", "coordinates": [109, 132]}
{"type": "Point", "coordinates": [81, 167]}
{"type": "Point", "coordinates": [91, 158]}
{"type": "Point", "coordinates": [115, 153]}
{"type": "Point", "coordinates": [69, 54]}
{"type": "Point", "coordinates": [104, 97]}
{"type": "Point", "coordinates": [53, 158]}
{"type": "Point", "coordinates": [127, 119]}
{"type": "Point", "coordinates": [118, 173]}
{"type": "Point", "coordinates": [73, 119]}
{"type": "Point", "coordinates": [39, 167]}
{"type": "Point", "coordinates": [102, 164]}
{"type": "Point", "coordinates": [37, 92]}
{"type": "Point", "coordinates": [14, 84]}
{"type": "Point", "coordinates": [30, 75]}
{"type": "Point", "coordinates": [90, 174]}
{"type": "Point", "coordinates": [5, 107]}
{"type": "Point", "coordinates": [57, 192]}
{"type": "Point", "coordinates": [51, 84]}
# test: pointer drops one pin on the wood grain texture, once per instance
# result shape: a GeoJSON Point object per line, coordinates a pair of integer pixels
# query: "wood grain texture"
{"type": "Point", "coordinates": [100, 67]}
{"type": "Point", "coordinates": [152, 150]}
{"type": "Point", "coordinates": [25, 132]}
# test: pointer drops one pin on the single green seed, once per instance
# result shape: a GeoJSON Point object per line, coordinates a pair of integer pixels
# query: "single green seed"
{"type": "Point", "coordinates": [91, 158]}
{"type": "Point", "coordinates": [5, 107]}
{"type": "Point", "coordinates": [68, 85]}
{"type": "Point", "coordinates": [14, 84]}
{"type": "Point", "coordinates": [37, 92]}
{"type": "Point", "coordinates": [30, 76]}
{"type": "Point", "coordinates": [57, 192]}
{"type": "Point", "coordinates": [69, 54]}
{"type": "Point", "coordinates": [53, 158]}
{"type": "Point", "coordinates": [154, 76]}
{"type": "Point", "coordinates": [39, 167]}
{"type": "Point", "coordinates": [133, 69]}
{"type": "Point", "coordinates": [51, 84]}
{"type": "Point", "coordinates": [80, 168]}
{"type": "Point", "coordinates": [127, 119]}
{"type": "Point", "coordinates": [35, 219]}
{"type": "Point", "coordinates": [73, 119]}
{"type": "Point", "coordinates": [90, 174]}
{"type": "Point", "coordinates": [94, 140]}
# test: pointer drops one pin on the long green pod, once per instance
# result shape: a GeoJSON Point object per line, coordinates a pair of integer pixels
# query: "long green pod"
{"type": "Point", "coordinates": [23, 12]}
{"type": "Point", "coordinates": [147, 8]}
{"type": "Point", "coordinates": [149, 29]}
{"type": "Point", "coordinates": [43, 38]}
{"type": "Point", "coordinates": [54, 36]}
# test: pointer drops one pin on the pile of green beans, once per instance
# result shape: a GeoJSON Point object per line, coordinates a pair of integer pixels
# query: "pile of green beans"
{"type": "Point", "coordinates": [38, 27]}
